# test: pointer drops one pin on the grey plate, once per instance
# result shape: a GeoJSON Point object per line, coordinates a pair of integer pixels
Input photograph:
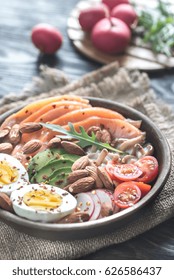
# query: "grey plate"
{"type": "Point", "coordinates": [108, 224]}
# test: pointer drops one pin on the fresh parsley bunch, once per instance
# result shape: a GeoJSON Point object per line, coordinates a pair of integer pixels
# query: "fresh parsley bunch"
{"type": "Point", "coordinates": [158, 27]}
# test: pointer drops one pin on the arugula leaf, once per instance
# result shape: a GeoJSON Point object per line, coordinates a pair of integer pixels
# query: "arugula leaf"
{"type": "Point", "coordinates": [84, 139]}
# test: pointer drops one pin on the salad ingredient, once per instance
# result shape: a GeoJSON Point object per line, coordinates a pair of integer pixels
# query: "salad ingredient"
{"type": "Point", "coordinates": [85, 203]}
{"type": "Point", "coordinates": [126, 194]}
{"type": "Point", "coordinates": [29, 127]}
{"type": "Point", "coordinates": [81, 185]}
{"type": "Point", "coordinates": [32, 146]}
{"type": "Point", "coordinates": [126, 13]}
{"type": "Point", "coordinates": [104, 177]}
{"type": "Point", "coordinates": [54, 107]}
{"type": "Point", "coordinates": [31, 108]}
{"type": "Point", "coordinates": [84, 139]}
{"type": "Point", "coordinates": [107, 202]}
{"type": "Point", "coordinates": [14, 135]}
{"type": "Point", "coordinates": [42, 199]}
{"type": "Point", "coordinates": [117, 128]}
{"type": "Point", "coordinates": [6, 148]}
{"type": "Point", "coordinates": [76, 175]}
{"type": "Point", "coordinates": [12, 174]}
{"type": "Point", "coordinates": [144, 188]}
{"type": "Point", "coordinates": [111, 35]}
{"type": "Point", "coordinates": [5, 202]}
{"type": "Point", "coordinates": [58, 111]}
{"type": "Point", "coordinates": [75, 217]}
{"type": "Point", "coordinates": [51, 166]}
{"type": "Point", "coordinates": [3, 133]}
{"type": "Point", "coordinates": [54, 143]}
{"type": "Point", "coordinates": [112, 3]}
{"type": "Point", "coordinates": [110, 169]}
{"type": "Point", "coordinates": [97, 205]}
{"type": "Point", "coordinates": [46, 38]}
{"type": "Point", "coordinates": [149, 167]}
{"type": "Point", "coordinates": [102, 135]}
{"type": "Point", "coordinates": [41, 202]}
{"type": "Point", "coordinates": [72, 148]}
{"type": "Point", "coordinates": [79, 115]}
{"type": "Point", "coordinates": [126, 172]}
{"type": "Point", "coordinates": [129, 143]}
{"type": "Point", "coordinates": [90, 16]}
{"type": "Point", "coordinates": [92, 170]}
{"type": "Point", "coordinates": [41, 160]}
{"type": "Point", "coordinates": [80, 163]}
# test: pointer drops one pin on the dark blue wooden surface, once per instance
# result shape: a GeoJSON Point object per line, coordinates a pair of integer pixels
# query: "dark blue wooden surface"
{"type": "Point", "coordinates": [19, 62]}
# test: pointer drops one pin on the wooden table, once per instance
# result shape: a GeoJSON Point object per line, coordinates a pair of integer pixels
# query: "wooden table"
{"type": "Point", "coordinates": [19, 61]}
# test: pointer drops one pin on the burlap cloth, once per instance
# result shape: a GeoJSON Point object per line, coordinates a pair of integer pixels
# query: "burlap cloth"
{"type": "Point", "coordinates": [109, 82]}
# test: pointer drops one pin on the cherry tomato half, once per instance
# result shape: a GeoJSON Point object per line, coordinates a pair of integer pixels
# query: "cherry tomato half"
{"type": "Point", "coordinates": [110, 170]}
{"type": "Point", "coordinates": [149, 167]}
{"type": "Point", "coordinates": [127, 172]}
{"type": "Point", "coordinates": [126, 194]}
{"type": "Point", "coordinates": [144, 188]}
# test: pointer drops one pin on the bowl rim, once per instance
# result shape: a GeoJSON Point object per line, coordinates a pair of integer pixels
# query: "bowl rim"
{"type": "Point", "coordinates": [157, 187]}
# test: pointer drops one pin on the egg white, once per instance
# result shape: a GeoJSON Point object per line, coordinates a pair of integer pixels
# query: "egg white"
{"type": "Point", "coordinates": [22, 179]}
{"type": "Point", "coordinates": [67, 206]}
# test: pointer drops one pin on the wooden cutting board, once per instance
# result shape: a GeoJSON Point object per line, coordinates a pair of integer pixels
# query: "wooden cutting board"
{"type": "Point", "coordinates": [135, 57]}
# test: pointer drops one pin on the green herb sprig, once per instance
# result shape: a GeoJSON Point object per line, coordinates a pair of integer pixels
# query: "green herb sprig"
{"type": "Point", "coordinates": [158, 27]}
{"type": "Point", "coordinates": [84, 140]}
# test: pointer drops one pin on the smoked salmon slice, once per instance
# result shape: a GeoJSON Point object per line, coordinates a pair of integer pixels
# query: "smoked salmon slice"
{"type": "Point", "coordinates": [118, 128]}
{"type": "Point", "coordinates": [28, 110]}
{"type": "Point", "coordinates": [52, 106]}
{"type": "Point", "coordinates": [80, 115]}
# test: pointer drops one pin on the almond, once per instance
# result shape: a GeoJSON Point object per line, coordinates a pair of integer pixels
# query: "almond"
{"type": "Point", "coordinates": [77, 174]}
{"type": "Point", "coordinates": [72, 148]}
{"type": "Point", "coordinates": [92, 170]}
{"type": "Point", "coordinates": [76, 217]}
{"type": "Point", "coordinates": [5, 202]}
{"type": "Point", "coordinates": [80, 163]}
{"type": "Point", "coordinates": [32, 146]}
{"type": "Point", "coordinates": [14, 134]}
{"type": "Point", "coordinates": [29, 127]}
{"type": "Point", "coordinates": [3, 133]}
{"type": "Point", "coordinates": [6, 148]}
{"type": "Point", "coordinates": [103, 175]}
{"type": "Point", "coordinates": [54, 142]}
{"type": "Point", "coordinates": [82, 185]}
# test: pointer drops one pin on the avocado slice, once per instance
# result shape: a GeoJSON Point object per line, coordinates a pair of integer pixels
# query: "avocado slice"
{"type": "Point", "coordinates": [59, 177]}
{"type": "Point", "coordinates": [45, 172]}
{"type": "Point", "coordinates": [42, 159]}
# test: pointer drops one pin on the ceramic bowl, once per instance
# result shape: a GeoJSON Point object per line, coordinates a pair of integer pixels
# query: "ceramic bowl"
{"type": "Point", "coordinates": [108, 224]}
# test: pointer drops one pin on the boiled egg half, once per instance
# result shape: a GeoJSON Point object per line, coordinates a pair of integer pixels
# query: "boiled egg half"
{"type": "Point", "coordinates": [12, 174]}
{"type": "Point", "coordinates": [41, 202]}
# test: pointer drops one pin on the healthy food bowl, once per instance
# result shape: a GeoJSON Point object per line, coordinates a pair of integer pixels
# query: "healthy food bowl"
{"type": "Point", "coordinates": [73, 168]}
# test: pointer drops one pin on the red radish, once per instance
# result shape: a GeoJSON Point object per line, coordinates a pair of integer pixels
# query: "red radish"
{"type": "Point", "coordinates": [46, 38]}
{"type": "Point", "coordinates": [90, 16]}
{"type": "Point", "coordinates": [111, 35]}
{"type": "Point", "coordinates": [126, 13]}
{"type": "Point", "coordinates": [97, 203]}
{"type": "Point", "coordinates": [112, 3]}
{"type": "Point", "coordinates": [107, 204]}
{"type": "Point", "coordinates": [85, 203]}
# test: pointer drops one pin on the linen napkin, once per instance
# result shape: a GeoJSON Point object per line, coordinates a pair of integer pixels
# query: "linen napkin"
{"type": "Point", "coordinates": [129, 87]}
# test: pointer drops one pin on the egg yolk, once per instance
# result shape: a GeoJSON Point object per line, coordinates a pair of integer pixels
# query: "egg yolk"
{"type": "Point", "coordinates": [8, 174]}
{"type": "Point", "coordinates": [42, 199]}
